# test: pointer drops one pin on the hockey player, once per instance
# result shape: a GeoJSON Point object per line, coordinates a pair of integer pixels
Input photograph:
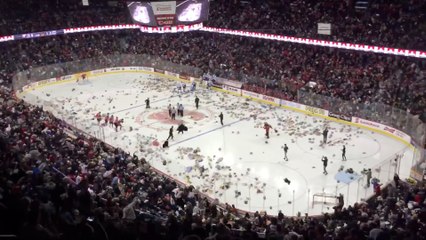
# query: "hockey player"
{"type": "Point", "coordinates": [106, 119]}
{"type": "Point", "coordinates": [170, 110]}
{"type": "Point", "coordinates": [180, 110]}
{"type": "Point", "coordinates": [193, 86]}
{"type": "Point", "coordinates": [117, 124]}
{"type": "Point", "coordinates": [221, 118]}
{"type": "Point", "coordinates": [180, 88]}
{"type": "Point", "coordinates": [267, 127]}
{"type": "Point", "coordinates": [209, 84]}
{"type": "Point", "coordinates": [147, 103]}
{"type": "Point", "coordinates": [120, 123]}
{"type": "Point", "coordinates": [324, 135]}
{"type": "Point", "coordinates": [285, 152]}
{"type": "Point", "coordinates": [98, 117]}
{"type": "Point", "coordinates": [166, 144]}
{"type": "Point", "coordinates": [111, 120]}
{"type": "Point", "coordinates": [324, 164]}
{"type": "Point", "coordinates": [369, 176]}
{"type": "Point", "coordinates": [173, 113]}
{"type": "Point", "coordinates": [181, 128]}
{"type": "Point", "coordinates": [197, 101]}
{"type": "Point", "coordinates": [83, 77]}
{"type": "Point", "coordinates": [170, 133]}
{"type": "Point", "coordinates": [344, 153]}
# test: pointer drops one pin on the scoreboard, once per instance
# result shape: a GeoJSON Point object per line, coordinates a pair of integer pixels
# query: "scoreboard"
{"type": "Point", "coordinates": [169, 13]}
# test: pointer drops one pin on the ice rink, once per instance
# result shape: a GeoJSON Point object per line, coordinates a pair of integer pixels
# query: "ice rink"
{"type": "Point", "coordinates": [235, 162]}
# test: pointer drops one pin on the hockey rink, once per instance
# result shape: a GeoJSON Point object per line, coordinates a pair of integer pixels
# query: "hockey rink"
{"type": "Point", "coordinates": [234, 163]}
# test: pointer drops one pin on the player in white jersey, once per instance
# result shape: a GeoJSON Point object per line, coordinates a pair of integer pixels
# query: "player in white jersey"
{"type": "Point", "coordinates": [178, 88]}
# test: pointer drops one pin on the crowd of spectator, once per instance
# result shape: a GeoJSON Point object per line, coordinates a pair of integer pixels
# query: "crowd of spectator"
{"type": "Point", "coordinates": [24, 16]}
{"type": "Point", "coordinates": [387, 23]}
{"type": "Point", "coordinates": [57, 183]}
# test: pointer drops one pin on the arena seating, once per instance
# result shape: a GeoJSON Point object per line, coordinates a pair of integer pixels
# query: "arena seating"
{"type": "Point", "coordinates": [385, 23]}
{"type": "Point", "coordinates": [57, 183]}
{"type": "Point", "coordinates": [276, 68]}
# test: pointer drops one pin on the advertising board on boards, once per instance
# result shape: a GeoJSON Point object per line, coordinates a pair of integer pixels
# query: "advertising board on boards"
{"type": "Point", "coordinates": [315, 110]}
{"type": "Point", "coordinates": [171, 74]}
{"type": "Point", "coordinates": [366, 122]}
{"type": "Point", "coordinates": [382, 127]}
{"type": "Point", "coordinates": [148, 69]}
{"type": "Point", "coordinates": [268, 98]}
{"type": "Point", "coordinates": [291, 104]}
{"type": "Point", "coordinates": [66, 77]}
{"type": "Point", "coordinates": [340, 116]}
{"type": "Point", "coordinates": [232, 89]}
{"type": "Point", "coordinates": [251, 94]}
{"type": "Point", "coordinates": [184, 77]}
{"type": "Point", "coordinates": [98, 71]}
{"type": "Point", "coordinates": [158, 70]}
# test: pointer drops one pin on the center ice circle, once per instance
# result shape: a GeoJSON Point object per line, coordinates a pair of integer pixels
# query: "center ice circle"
{"type": "Point", "coordinates": [161, 119]}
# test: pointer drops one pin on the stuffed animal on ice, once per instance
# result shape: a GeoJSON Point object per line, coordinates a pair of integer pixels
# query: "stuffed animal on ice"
{"type": "Point", "coordinates": [181, 128]}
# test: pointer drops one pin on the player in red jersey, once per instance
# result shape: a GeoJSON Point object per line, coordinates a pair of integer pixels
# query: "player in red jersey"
{"type": "Point", "coordinates": [111, 120]}
{"type": "Point", "coordinates": [106, 119]}
{"type": "Point", "coordinates": [117, 123]}
{"type": "Point", "coordinates": [83, 77]}
{"type": "Point", "coordinates": [266, 126]}
{"type": "Point", "coordinates": [98, 117]}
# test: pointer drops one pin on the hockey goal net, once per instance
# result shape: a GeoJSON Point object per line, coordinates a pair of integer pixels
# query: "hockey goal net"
{"type": "Point", "coordinates": [325, 198]}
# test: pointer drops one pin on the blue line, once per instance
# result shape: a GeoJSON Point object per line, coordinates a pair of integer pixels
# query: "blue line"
{"type": "Point", "coordinates": [204, 133]}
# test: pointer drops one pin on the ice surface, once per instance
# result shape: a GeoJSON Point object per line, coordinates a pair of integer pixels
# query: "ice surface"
{"type": "Point", "coordinates": [235, 162]}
